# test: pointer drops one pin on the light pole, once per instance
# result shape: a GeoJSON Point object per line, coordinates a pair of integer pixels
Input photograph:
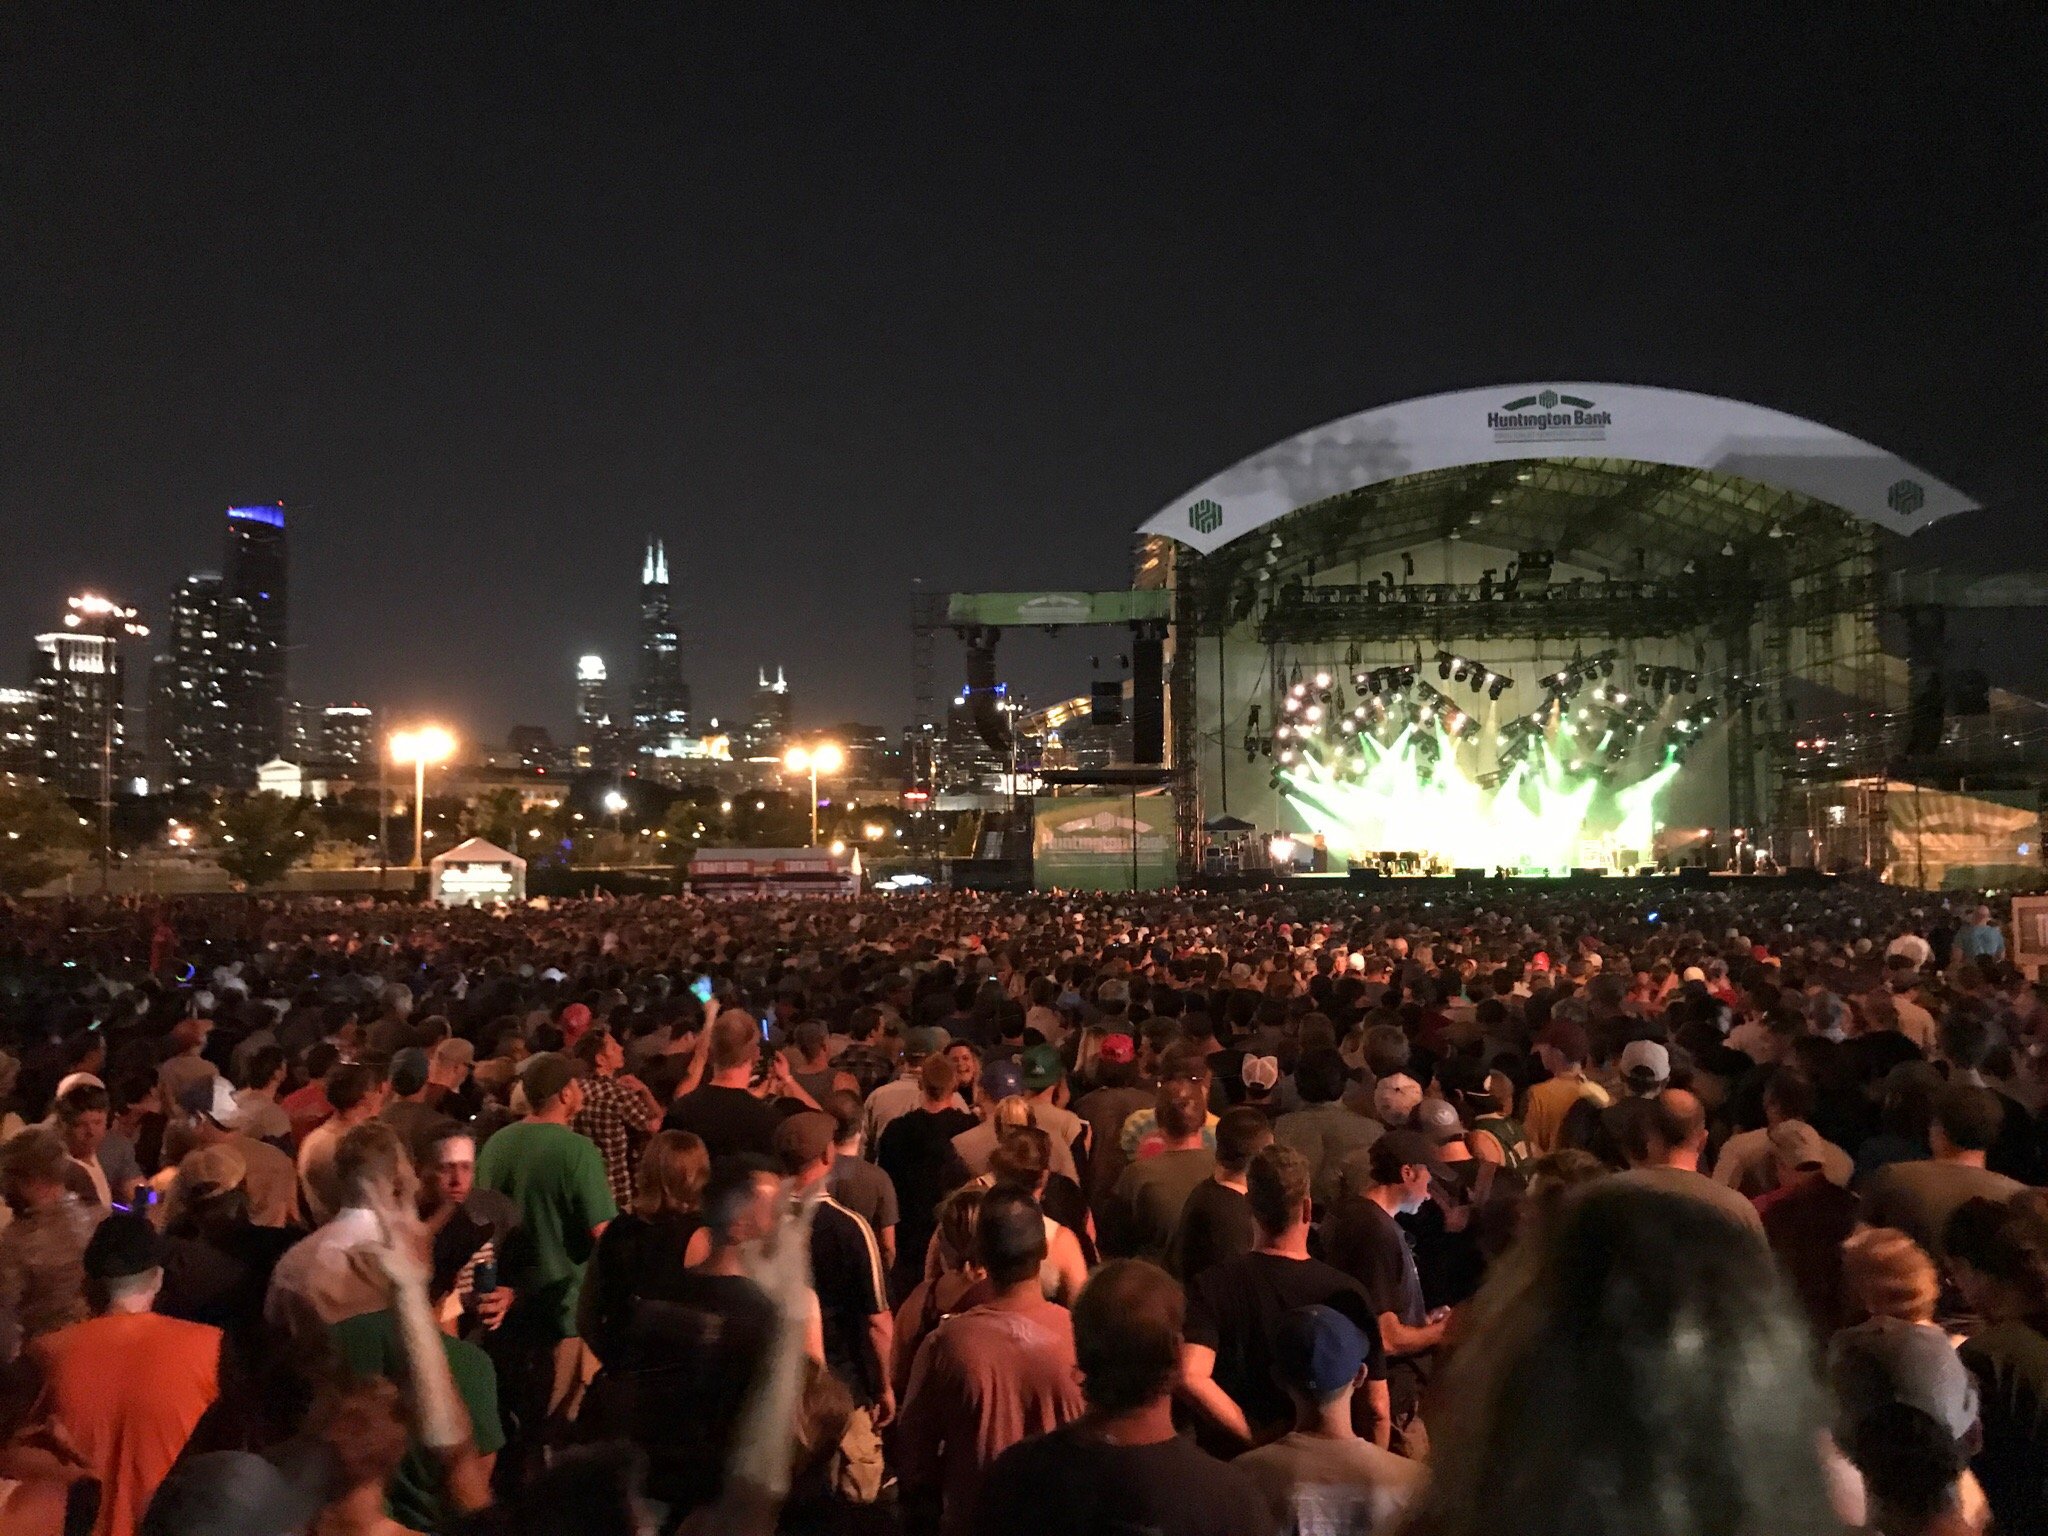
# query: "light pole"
{"type": "Point", "coordinates": [819, 757]}
{"type": "Point", "coordinates": [107, 618]}
{"type": "Point", "coordinates": [427, 744]}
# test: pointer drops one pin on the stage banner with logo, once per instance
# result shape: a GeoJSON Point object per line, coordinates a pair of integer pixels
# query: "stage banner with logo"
{"type": "Point", "coordinates": [1102, 843]}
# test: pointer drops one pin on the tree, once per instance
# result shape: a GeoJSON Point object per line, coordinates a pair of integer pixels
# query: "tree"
{"type": "Point", "coordinates": [496, 818]}
{"type": "Point", "coordinates": [36, 830]}
{"type": "Point", "coordinates": [261, 836]}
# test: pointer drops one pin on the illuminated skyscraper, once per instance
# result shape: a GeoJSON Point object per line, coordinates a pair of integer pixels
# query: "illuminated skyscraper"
{"type": "Point", "coordinates": [255, 637]}
{"type": "Point", "coordinates": [79, 673]}
{"type": "Point", "coordinates": [348, 735]}
{"type": "Point", "coordinates": [597, 731]}
{"type": "Point", "coordinates": [189, 740]}
{"type": "Point", "coordinates": [661, 699]}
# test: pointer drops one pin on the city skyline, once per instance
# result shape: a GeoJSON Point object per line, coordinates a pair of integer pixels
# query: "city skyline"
{"type": "Point", "coordinates": [483, 325]}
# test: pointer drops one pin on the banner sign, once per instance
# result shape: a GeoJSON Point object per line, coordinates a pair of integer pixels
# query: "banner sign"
{"type": "Point", "coordinates": [1008, 609]}
{"type": "Point", "coordinates": [1097, 842]}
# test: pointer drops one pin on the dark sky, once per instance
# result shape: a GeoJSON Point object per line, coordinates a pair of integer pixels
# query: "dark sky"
{"type": "Point", "coordinates": [837, 297]}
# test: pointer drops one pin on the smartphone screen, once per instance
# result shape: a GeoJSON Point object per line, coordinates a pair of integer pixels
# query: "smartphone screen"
{"type": "Point", "coordinates": [702, 988]}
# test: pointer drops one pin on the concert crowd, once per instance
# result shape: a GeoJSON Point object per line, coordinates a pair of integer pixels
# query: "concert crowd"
{"type": "Point", "coordinates": [1460, 1212]}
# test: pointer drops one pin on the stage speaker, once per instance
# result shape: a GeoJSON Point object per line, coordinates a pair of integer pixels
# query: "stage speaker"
{"type": "Point", "coordinates": [1148, 693]}
{"type": "Point", "coordinates": [1366, 874]}
{"type": "Point", "coordinates": [1589, 874]}
{"type": "Point", "coordinates": [1694, 875]}
{"type": "Point", "coordinates": [1105, 703]}
{"type": "Point", "coordinates": [1469, 874]}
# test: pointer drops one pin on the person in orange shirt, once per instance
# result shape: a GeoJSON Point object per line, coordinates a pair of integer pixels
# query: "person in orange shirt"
{"type": "Point", "coordinates": [126, 1387]}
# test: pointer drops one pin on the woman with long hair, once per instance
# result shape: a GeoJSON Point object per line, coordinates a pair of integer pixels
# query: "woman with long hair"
{"type": "Point", "coordinates": [1633, 1369]}
{"type": "Point", "coordinates": [662, 1235]}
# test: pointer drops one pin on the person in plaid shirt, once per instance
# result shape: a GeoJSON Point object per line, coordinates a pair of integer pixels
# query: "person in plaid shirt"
{"type": "Point", "coordinates": [619, 1111]}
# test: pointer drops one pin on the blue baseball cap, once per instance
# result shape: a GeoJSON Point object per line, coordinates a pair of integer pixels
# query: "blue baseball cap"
{"type": "Point", "coordinates": [1318, 1350]}
{"type": "Point", "coordinates": [1001, 1079]}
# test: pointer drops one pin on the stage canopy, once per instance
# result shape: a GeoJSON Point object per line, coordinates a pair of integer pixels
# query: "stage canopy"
{"type": "Point", "coordinates": [1591, 443]}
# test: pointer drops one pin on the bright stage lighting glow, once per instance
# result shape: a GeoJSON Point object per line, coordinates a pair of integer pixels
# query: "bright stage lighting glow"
{"type": "Point", "coordinates": [1419, 794]}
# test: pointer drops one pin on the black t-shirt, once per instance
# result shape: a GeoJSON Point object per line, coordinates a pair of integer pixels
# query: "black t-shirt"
{"type": "Point", "coordinates": [1235, 1308]}
{"type": "Point", "coordinates": [1215, 1224]}
{"type": "Point", "coordinates": [1069, 1483]}
{"type": "Point", "coordinates": [914, 1151]}
{"type": "Point", "coordinates": [846, 1270]}
{"type": "Point", "coordinates": [699, 1342]}
{"type": "Point", "coordinates": [636, 1257]}
{"type": "Point", "coordinates": [726, 1120]}
{"type": "Point", "coordinates": [1361, 1239]}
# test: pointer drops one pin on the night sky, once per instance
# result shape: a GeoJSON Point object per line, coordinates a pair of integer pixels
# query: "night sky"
{"type": "Point", "coordinates": [833, 298]}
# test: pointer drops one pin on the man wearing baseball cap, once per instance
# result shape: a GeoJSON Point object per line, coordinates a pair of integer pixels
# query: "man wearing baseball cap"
{"type": "Point", "coordinates": [1362, 1239]}
{"type": "Point", "coordinates": [900, 1094]}
{"type": "Point", "coordinates": [127, 1386]}
{"type": "Point", "coordinates": [1564, 1051]}
{"type": "Point", "coordinates": [1002, 1080]}
{"type": "Point", "coordinates": [1322, 1475]}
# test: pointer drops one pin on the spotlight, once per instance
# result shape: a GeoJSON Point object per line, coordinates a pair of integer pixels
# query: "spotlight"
{"type": "Point", "coordinates": [1692, 682]}
{"type": "Point", "coordinates": [1292, 703]}
{"type": "Point", "coordinates": [1298, 691]}
{"type": "Point", "coordinates": [1499, 685]}
{"type": "Point", "coordinates": [1458, 669]}
{"type": "Point", "coordinates": [1443, 664]}
{"type": "Point", "coordinates": [1479, 678]}
{"type": "Point", "coordinates": [1643, 675]}
{"type": "Point", "coordinates": [1323, 680]}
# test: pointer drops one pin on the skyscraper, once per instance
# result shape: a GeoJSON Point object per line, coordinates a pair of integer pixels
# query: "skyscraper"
{"type": "Point", "coordinates": [597, 734]}
{"type": "Point", "coordinates": [254, 636]}
{"type": "Point", "coordinates": [661, 699]}
{"type": "Point", "coordinates": [770, 727]}
{"type": "Point", "coordinates": [78, 677]}
{"type": "Point", "coordinates": [18, 755]}
{"type": "Point", "coordinates": [188, 720]}
{"type": "Point", "coordinates": [347, 735]}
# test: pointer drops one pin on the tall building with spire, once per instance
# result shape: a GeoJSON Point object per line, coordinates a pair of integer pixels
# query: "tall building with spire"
{"type": "Point", "coordinates": [661, 699]}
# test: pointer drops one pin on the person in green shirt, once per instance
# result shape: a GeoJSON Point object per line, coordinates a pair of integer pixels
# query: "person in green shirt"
{"type": "Point", "coordinates": [557, 1179]}
{"type": "Point", "coordinates": [419, 1495]}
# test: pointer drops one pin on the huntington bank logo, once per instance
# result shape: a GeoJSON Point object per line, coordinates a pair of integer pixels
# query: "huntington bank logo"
{"type": "Point", "coordinates": [1905, 497]}
{"type": "Point", "coordinates": [1205, 516]}
{"type": "Point", "coordinates": [1549, 417]}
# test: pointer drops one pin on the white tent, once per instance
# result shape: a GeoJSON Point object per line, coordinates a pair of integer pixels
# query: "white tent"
{"type": "Point", "coordinates": [476, 874]}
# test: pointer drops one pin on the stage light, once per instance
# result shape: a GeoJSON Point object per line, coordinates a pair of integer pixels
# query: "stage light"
{"type": "Point", "coordinates": [1479, 678]}
{"type": "Point", "coordinates": [1727, 551]}
{"type": "Point", "coordinates": [1607, 666]}
{"type": "Point", "coordinates": [1443, 664]}
{"type": "Point", "coordinates": [1298, 691]}
{"type": "Point", "coordinates": [1313, 713]}
{"type": "Point", "coordinates": [1291, 703]}
{"type": "Point", "coordinates": [1643, 676]}
{"type": "Point", "coordinates": [1322, 680]}
{"type": "Point", "coordinates": [1692, 682]}
{"type": "Point", "coordinates": [1499, 685]}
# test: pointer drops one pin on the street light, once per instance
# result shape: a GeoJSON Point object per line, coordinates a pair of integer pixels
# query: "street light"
{"type": "Point", "coordinates": [616, 803]}
{"type": "Point", "coordinates": [821, 757]}
{"type": "Point", "coordinates": [428, 744]}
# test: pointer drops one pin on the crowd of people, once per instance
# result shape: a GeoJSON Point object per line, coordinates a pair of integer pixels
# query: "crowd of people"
{"type": "Point", "coordinates": [1545, 1211]}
